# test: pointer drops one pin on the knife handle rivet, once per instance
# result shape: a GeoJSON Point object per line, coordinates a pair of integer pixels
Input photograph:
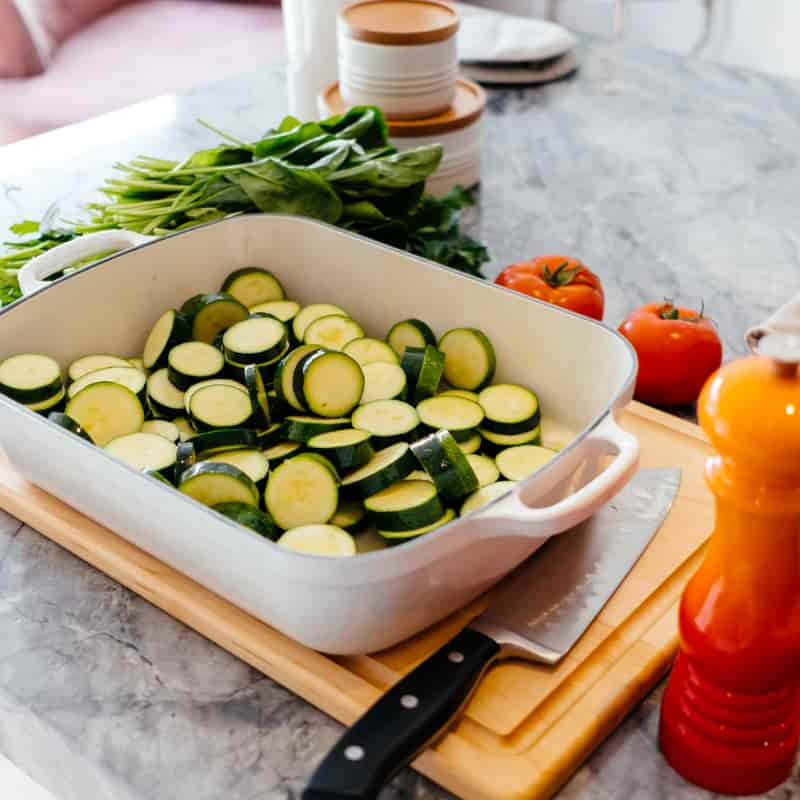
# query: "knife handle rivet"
{"type": "Point", "coordinates": [354, 753]}
{"type": "Point", "coordinates": [455, 656]}
{"type": "Point", "coordinates": [409, 701]}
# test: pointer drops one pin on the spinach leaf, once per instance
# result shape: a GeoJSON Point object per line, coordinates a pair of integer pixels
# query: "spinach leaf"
{"type": "Point", "coordinates": [384, 175]}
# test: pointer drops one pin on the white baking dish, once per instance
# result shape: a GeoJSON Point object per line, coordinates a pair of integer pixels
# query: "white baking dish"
{"type": "Point", "coordinates": [581, 370]}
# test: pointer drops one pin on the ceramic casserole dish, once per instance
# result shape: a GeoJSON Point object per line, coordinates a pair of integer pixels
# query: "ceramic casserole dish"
{"type": "Point", "coordinates": [581, 370]}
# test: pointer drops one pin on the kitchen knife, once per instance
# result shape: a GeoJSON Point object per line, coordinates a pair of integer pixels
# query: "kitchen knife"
{"type": "Point", "coordinates": [538, 613]}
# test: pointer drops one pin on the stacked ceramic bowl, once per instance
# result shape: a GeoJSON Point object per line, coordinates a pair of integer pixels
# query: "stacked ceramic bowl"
{"type": "Point", "coordinates": [402, 56]}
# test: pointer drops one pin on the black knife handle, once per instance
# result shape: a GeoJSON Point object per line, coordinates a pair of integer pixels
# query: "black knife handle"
{"type": "Point", "coordinates": [391, 733]}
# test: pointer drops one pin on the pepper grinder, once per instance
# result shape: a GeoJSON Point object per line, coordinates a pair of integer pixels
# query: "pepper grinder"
{"type": "Point", "coordinates": [730, 718]}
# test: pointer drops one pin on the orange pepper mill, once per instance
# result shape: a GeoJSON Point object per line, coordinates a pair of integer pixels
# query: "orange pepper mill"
{"type": "Point", "coordinates": [730, 718]}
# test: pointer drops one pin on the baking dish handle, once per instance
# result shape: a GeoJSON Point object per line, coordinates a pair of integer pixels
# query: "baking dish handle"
{"type": "Point", "coordinates": [566, 513]}
{"type": "Point", "coordinates": [32, 276]}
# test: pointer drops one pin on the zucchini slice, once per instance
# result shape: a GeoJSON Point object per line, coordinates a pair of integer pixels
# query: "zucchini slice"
{"type": "Point", "coordinates": [157, 476]}
{"type": "Point", "coordinates": [51, 404]}
{"type": "Point", "coordinates": [270, 436]}
{"type": "Point", "coordinates": [307, 315]}
{"type": "Point", "coordinates": [471, 445]}
{"type": "Point", "coordinates": [456, 414]}
{"type": "Point", "coordinates": [350, 516]}
{"type": "Point", "coordinates": [333, 332]}
{"type": "Point", "coordinates": [107, 411]}
{"type": "Point", "coordinates": [493, 443]}
{"type": "Point", "coordinates": [211, 483]}
{"type": "Point", "coordinates": [196, 387]}
{"type": "Point", "coordinates": [222, 439]}
{"type": "Point", "coordinates": [278, 453]}
{"type": "Point", "coordinates": [509, 408]}
{"type": "Point", "coordinates": [185, 429]}
{"type": "Point", "coordinates": [516, 463]}
{"type": "Point", "coordinates": [485, 469]}
{"type": "Point", "coordinates": [253, 285]}
{"type": "Point", "coordinates": [162, 427]}
{"type": "Point", "coordinates": [398, 537]}
{"type": "Point", "coordinates": [64, 421]}
{"type": "Point", "coordinates": [424, 369]}
{"type": "Point", "coordinates": [409, 333]}
{"type": "Point", "coordinates": [128, 376]}
{"type": "Point", "coordinates": [164, 399]}
{"type": "Point", "coordinates": [250, 517]}
{"type": "Point", "coordinates": [388, 421]}
{"type": "Point", "coordinates": [319, 540]}
{"type": "Point", "coordinates": [192, 362]}
{"type": "Point", "coordinates": [366, 351]}
{"type": "Point", "coordinates": [302, 491]}
{"type": "Point", "coordinates": [328, 384]}
{"type": "Point", "coordinates": [138, 363]}
{"type": "Point", "coordinates": [386, 467]}
{"type": "Point", "coordinates": [258, 396]}
{"type": "Point", "coordinates": [31, 378]}
{"type": "Point", "coordinates": [171, 329]}
{"type": "Point", "coordinates": [301, 429]}
{"type": "Point", "coordinates": [419, 475]}
{"type": "Point", "coordinates": [145, 451]}
{"type": "Point", "coordinates": [185, 457]}
{"type": "Point", "coordinates": [485, 495]}
{"type": "Point", "coordinates": [284, 310]}
{"type": "Point", "coordinates": [405, 506]}
{"type": "Point", "coordinates": [383, 381]}
{"type": "Point", "coordinates": [213, 313]}
{"type": "Point", "coordinates": [460, 393]}
{"type": "Point", "coordinates": [78, 368]}
{"type": "Point", "coordinates": [284, 375]}
{"type": "Point", "coordinates": [252, 462]}
{"type": "Point", "coordinates": [469, 358]}
{"type": "Point", "coordinates": [220, 407]}
{"type": "Point", "coordinates": [258, 340]}
{"type": "Point", "coordinates": [346, 448]}
{"type": "Point", "coordinates": [441, 457]}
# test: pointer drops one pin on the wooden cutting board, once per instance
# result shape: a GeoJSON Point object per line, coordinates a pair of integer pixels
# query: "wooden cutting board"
{"type": "Point", "coordinates": [528, 727]}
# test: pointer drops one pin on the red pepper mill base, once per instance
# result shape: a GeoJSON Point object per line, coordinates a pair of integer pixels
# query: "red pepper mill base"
{"type": "Point", "coordinates": [730, 719]}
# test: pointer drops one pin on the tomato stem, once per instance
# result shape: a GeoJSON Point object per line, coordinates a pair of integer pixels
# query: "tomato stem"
{"type": "Point", "coordinates": [561, 276]}
{"type": "Point", "coordinates": [670, 311]}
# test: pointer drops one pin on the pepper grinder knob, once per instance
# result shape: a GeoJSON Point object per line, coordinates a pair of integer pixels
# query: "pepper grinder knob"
{"type": "Point", "coordinates": [778, 338]}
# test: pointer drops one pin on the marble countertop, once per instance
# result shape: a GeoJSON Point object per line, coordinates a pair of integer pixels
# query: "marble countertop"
{"type": "Point", "coordinates": [669, 177]}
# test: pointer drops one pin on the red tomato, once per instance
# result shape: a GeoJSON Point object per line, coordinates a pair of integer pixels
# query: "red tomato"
{"type": "Point", "coordinates": [678, 350]}
{"type": "Point", "coordinates": [562, 281]}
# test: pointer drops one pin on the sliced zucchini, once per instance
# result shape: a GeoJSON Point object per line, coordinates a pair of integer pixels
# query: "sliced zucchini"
{"type": "Point", "coordinates": [222, 439]}
{"type": "Point", "coordinates": [185, 457]}
{"type": "Point", "coordinates": [278, 407]}
{"type": "Point", "coordinates": [171, 329]}
{"type": "Point", "coordinates": [333, 332]}
{"type": "Point", "coordinates": [419, 475]}
{"type": "Point", "coordinates": [185, 429]}
{"type": "Point", "coordinates": [107, 411]}
{"type": "Point", "coordinates": [328, 384]}
{"type": "Point", "coordinates": [80, 367]}
{"type": "Point", "coordinates": [411, 363]}
{"type": "Point", "coordinates": [163, 398]}
{"type": "Point", "coordinates": [278, 453]}
{"type": "Point", "coordinates": [319, 540]}
{"type": "Point", "coordinates": [262, 418]}
{"type": "Point", "coordinates": [387, 421]}
{"type": "Point", "coordinates": [270, 436]}
{"type": "Point", "coordinates": [31, 378]}
{"type": "Point", "coordinates": [284, 310]}
{"type": "Point", "coordinates": [192, 362]}
{"type": "Point", "coordinates": [65, 421]}
{"type": "Point", "coordinates": [350, 516]}
{"type": "Point", "coordinates": [383, 381]}
{"type": "Point", "coordinates": [509, 408]}
{"type": "Point", "coordinates": [145, 451]}
{"type": "Point", "coordinates": [404, 506]}
{"type": "Point", "coordinates": [211, 483]}
{"type": "Point", "coordinates": [157, 476]}
{"type": "Point", "coordinates": [51, 404]}
{"type": "Point", "coordinates": [386, 467]}
{"type": "Point", "coordinates": [441, 457]}
{"type": "Point", "coordinates": [220, 407]}
{"type": "Point", "coordinates": [424, 370]}
{"type": "Point", "coordinates": [366, 351]}
{"type": "Point", "coordinates": [516, 463]}
{"type": "Point", "coordinates": [456, 414]}
{"type": "Point", "coordinates": [253, 285]}
{"type": "Point", "coordinates": [409, 333]}
{"type": "Point", "coordinates": [347, 448]}
{"type": "Point", "coordinates": [301, 429]}
{"type": "Point", "coordinates": [250, 517]}
{"type": "Point", "coordinates": [128, 376]}
{"type": "Point", "coordinates": [398, 537]}
{"type": "Point", "coordinates": [469, 358]}
{"type": "Point", "coordinates": [485, 495]}
{"type": "Point", "coordinates": [284, 375]}
{"type": "Point", "coordinates": [258, 340]}
{"type": "Point", "coordinates": [493, 443]}
{"type": "Point", "coordinates": [471, 445]}
{"type": "Point", "coordinates": [161, 427]}
{"type": "Point", "coordinates": [138, 363]}
{"type": "Point", "coordinates": [302, 491]}
{"type": "Point", "coordinates": [213, 313]}
{"type": "Point", "coordinates": [196, 387]}
{"type": "Point", "coordinates": [252, 462]}
{"type": "Point", "coordinates": [307, 315]}
{"type": "Point", "coordinates": [459, 393]}
{"type": "Point", "coordinates": [485, 469]}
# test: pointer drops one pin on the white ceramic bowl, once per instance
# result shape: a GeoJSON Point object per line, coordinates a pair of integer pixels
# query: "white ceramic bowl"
{"type": "Point", "coordinates": [581, 370]}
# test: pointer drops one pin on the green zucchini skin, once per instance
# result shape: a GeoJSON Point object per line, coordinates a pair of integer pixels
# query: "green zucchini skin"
{"type": "Point", "coordinates": [185, 457]}
{"type": "Point", "coordinates": [30, 395]}
{"type": "Point", "coordinates": [430, 374]}
{"type": "Point", "coordinates": [411, 363]}
{"type": "Point", "coordinates": [493, 443]}
{"type": "Point", "coordinates": [344, 457]}
{"type": "Point", "coordinates": [270, 436]}
{"type": "Point", "coordinates": [373, 483]}
{"type": "Point", "coordinates": [421, 333]}
{"type": "Point", "coordinates": [406, 519]}
{"type": "Point", "coordinates": [302, 429]}
{"type": "Point", "coordinates": [512, 428]}
{"type": "Point", "coordinates": [56, 403]}
{"type": "Point", "coordinates": [180, 332]}
{"type": "Point", "coordinates": [64, 421]}
{"type": "Point", "coordinates": [278, 459]}
{"type": "Point", "coordinates": [204, 330]}
{"type": "Point", "coordinates": [440, 456]}
{"type": "Point", "coordinates": [222, 439]}
{"type": "Point", "coordinates": [257, 390]}
{"type": "Point", "coordinates": [256, 520]}
{"type": "Point", "coordinates": [212, 469]}
{"type": "Point", "coordinates": [400, 537]}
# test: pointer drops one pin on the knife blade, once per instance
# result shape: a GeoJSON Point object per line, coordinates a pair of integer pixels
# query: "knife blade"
{"type": "Point", "coordinates": [537, 613]}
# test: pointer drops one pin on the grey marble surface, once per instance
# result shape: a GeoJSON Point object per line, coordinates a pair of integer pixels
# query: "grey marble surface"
{"type": "Point", "coordinates": [669, 177]}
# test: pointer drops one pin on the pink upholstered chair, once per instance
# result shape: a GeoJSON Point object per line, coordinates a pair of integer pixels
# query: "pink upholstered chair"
{"type": "Point", "coordinates": [62, 61]}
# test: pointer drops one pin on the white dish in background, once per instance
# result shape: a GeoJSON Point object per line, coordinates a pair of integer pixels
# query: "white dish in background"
{"type": "Point", "coordinates": [518, 75]}
{"type": "Point", "coordinates": [581, 370]}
